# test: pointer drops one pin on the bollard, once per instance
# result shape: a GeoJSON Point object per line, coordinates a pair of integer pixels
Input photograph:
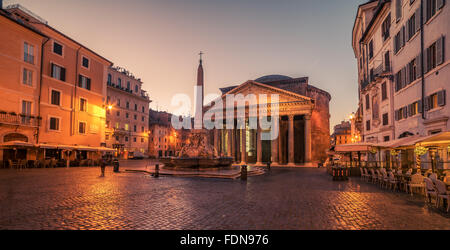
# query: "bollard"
{"type": "Point", "coordinates": [156, 175]}
{"type": "Point", "coordinates": [116, 166]}
{"type": "Point", "coordinates": [244, 172]}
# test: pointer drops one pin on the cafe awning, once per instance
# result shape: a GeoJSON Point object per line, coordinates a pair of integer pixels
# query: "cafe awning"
{"type": "Point", "coordinates": [48, 146]}
{"type": "Point", "coordinates": [17, 144]}
{"type": "Point", "coordinates": [104, 149]}
{"type": "Point", "coordinates": [354, 147]}
{"type": "Point", "coordinates": [399, 143]}
{"type": "Point", "coordinates": [436, 139]}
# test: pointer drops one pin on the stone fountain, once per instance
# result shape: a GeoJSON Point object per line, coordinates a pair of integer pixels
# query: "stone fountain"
{"type": "Point", "coordinates": [197, 154]}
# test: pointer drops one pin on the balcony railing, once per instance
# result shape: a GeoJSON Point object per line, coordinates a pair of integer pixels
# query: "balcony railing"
{"type": "Point", "coordinates": [12, 118]}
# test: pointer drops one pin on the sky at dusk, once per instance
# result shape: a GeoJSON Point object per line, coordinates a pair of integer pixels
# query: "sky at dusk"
{"type": "Point", "coordinates": [159, 41]}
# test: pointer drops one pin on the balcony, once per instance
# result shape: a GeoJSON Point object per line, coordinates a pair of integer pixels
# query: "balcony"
{"type": "Point", "coordinates": [12, 118]}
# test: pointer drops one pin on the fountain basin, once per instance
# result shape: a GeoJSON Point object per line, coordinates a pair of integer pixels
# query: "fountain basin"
{"type": "Point", "coordinates": [196, 162]}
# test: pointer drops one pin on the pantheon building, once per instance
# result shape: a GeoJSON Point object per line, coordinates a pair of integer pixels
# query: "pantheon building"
{"type": "Point", "coordinates": [304, 126]}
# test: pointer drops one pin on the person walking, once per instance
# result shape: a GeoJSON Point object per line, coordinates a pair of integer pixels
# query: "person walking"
{"type": "Point", "coordinates": [102, 167]}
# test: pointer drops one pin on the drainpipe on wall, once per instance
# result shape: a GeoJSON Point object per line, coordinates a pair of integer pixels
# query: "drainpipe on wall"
{"type": "Point", "coordinates": [40, 88]}
{"type": "Point", "coordinates": [421, 58]}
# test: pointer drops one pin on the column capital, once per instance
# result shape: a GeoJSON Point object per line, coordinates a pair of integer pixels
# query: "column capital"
{"type": "Point", "coordinates": [291, 117]}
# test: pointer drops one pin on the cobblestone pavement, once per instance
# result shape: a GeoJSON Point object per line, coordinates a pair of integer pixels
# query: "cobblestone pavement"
{"type": "Point", "coordinates": [77, 198]}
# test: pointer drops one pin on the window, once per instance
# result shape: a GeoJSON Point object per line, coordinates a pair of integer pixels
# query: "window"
{"type": "Point", "coordinates": [58, 72]}
{"type": "Point", "coordinates": [386, 138]}
{"type": "Point", "coordinates": [82, 127]}
{"type": "Point", "coordinates": [435, 54]}
{"type": "Point", "coordinates": [368, 125]}
{"type": "Point", "coordinates": [28, 53]}
{"type": "Point", "coordinates": [54, 124]}
{"type": "Point", "coordinates": [398, 9]}
{"type": "Point", "coordinates": [127, 115]}
{"type": "Point", "coordinates": [127, 127]}
{"type": "Point", "coordinates": [107, 137]}
{"type": "Point", "coordinates": [27, 77]}
{"type": "Point", "coordinates": [57, 48]}
{"type": "Point", "coordinates": [109, 79]}
{"type": "Point", "coordinates": [143, 109]}
{"type": "Point", "coordinates": [398, 80]}
{"type": "Point", "coordinates": [117, 125]}
{"type": "Point", "coordinates": [431, 57]}
{"type": "Point", "coordinates": [142, 139]}
{"type": "Point", "coordinates": [83, 105]}
{"type": "Point", "coordinates": [118, 113]}
{"type": "Point", "coordinates": [134, 139]}
{"type": "Point", "coordinates": [413, 109]}
{"type": "Point", "coordinates": [55, 98]}
{"type": "Point", "coordinates": [118, 102]}
{"type": "Point", "coordinates": [85, 62]}
{"type": "Point", "coordinates": [135, 117]}
{"type": "Point", "coordinates": [143, 118]}
{"type": "Point", "coordinates": [411, 31]}
{"type": "Point", "coordinates": [126, 138]}
{"type": "Point", "coordinates": [119, 82]}
{"type": "Point", "coordinates": [84, 82]}
{"type": "Point", "coordinates": [401, 114]}
{"type": "Point", "coordinates": [387, 62]}
{"type": "Point", "coordinates": [142, 129]}
{"type": "Point", "coordinates": [432, 6]}
{"type": "Point", "coordinates": [136, 89]}
{"type": "Point", "coordinates": [134, 128]}
{"type": "Point", "coordinates": [371, 49]}
{"type": "Point", "coordinates": [135, 107]}
{"type": "Point", "coordinates": [26, 107]}
{"type": "Point", "coordinates": [385, 119]}
{"type": "Point", "coordinates": [432, 102]}
{"type": "Point", "coordinates": [128, 105]}
{"type": "Point", "coordinates": [367, 102]}
{"type": "Point", "coordinates": [108, 123]}
{"type": "Point", "coordinates": [128, 85]}
{"type": "Point", "coordinates": [383, 91]}
{"type": "Point", "coordinates": [386, 26]}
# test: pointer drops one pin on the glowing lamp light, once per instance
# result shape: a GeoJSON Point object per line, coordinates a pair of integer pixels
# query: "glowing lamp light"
{"type": "Point", "coordinates": [110, 107]}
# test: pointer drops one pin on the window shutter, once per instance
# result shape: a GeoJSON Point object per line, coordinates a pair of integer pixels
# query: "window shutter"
{"type": "Point", "coordinates": [441, 96]}
{"type": "Point", "coordinates": [418, 67]}
{"type": "Point", "coordinates": [439, 4]}
{"type": "Point", "coordinates": [419, 108]}
{"type": "Point", "coordinates": [440, 50]}
{"type": "Point", "coordinates": [88, 84]}
{"type": "Point", "coordinates": [404, 77]}
{"type": "Point", "coordinates": [51, 69]}
{"type": "Point", "coordinates": [425, 61]}
{"type": "Point", "coordinates": [425, 12]}
{"type": "Point", "coordinates": [407, 77]}
{"type": "Point", "coordinates": [427, 103]}
{"type": "Point", "coordinates": [407, 31]}
{"type": "Point", "coordinates": [63, 74]}
{"type": "Point", "coordinates": [396, 115]}
{"type": "Point", "coordinates": [402, 36]}
{"type": "Point", "coordinates": [79, 81]}
{"type": "Point", "coordinates": [409, 109]}
{"type": "Point", "coordinates": [398, 9]}
{"type": "Point", "coordinates": [417, 19]}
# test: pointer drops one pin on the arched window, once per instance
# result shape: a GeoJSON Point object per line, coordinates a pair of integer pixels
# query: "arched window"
{"type": "Point", "coordinates": [15, 137]}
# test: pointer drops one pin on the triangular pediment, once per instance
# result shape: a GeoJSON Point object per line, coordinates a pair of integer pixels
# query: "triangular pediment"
{"type": "Point", "coordinates": [256, 88]}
